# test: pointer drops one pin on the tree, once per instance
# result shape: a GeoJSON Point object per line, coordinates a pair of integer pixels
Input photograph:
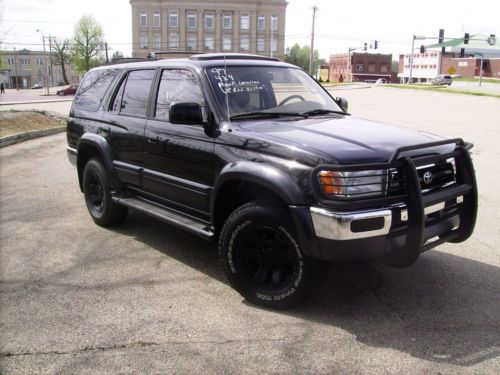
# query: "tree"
{"type": "Point", "coordinates": [299, 56]}
{"type": "Point", "coordinates": [60, 56]}
{"type": "Point", "coordinates": [395, 66]}
{"type": "Point", "coordinates": [87, 44]}
{"type": "Point", "coordinates": [117, 55]}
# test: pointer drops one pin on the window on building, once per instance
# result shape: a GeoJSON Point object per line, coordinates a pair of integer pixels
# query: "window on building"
{"type": "Point", "coordinates": [359, 67]}
{"type": "Point", "coordinates": [274, 44]}
{"type": "Point", "coordinates": [173, 19]}
{"type": "Point", "coordinates": [261, 45]}
{"type": "Point", "coordinates": [39, 61]}
{"type": "Point", "coordinates": [227, 21]}
{"type": "Point", "coordinates": [174, 41]}
{"type": "Point", "coordinates": [177, 86]}
{"type": "Point", "coordinates": [191, 42]}
{"type": "Point", "coordinates": [143, 19]}
{"type": "Point", "coordinates": [274, 23]}
{"type": "Point", "coordinates": [93, 88]}
{"type": "Point", "coordinates": [209, 20]}
{"type": "Point", "coordinates": [191, 20]}
{"type": "Point", "coordinates": [261, 23]}
{"type": "Point", "coordinates": [10, 60]}
{"type": "Point", "coordinates": [372, 67]}
{"type": "Point", "coordinates": [245, 21]}
{"type": "Point", "coordinates": [132, 97]}
{"type": "Point", "coordinates": [156, 19]}
{"type": "Point", "coordinates": [143, 41]}
{"type": "Point", "coordinates": [226, 43]}
{"type": "Point", "coordinates": [245, 43]}
{"type": "Point", "coordinates": [157, 42]}
{"type": "Point", "coordinates": [384, 68]}
{"type": "Point", "coordinates": [209, 43]}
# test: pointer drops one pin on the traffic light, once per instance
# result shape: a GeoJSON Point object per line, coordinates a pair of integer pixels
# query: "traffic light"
{"type": "Point", "coordinates": [441, 36]}
{"type": "Point", "coordinates": [466, 38]}
{"type": "Point", "coordinates": [422, 49]}
{"type": "Point", "coordinates": [462, 52]}
{"type": "Point", "coordinates": [365, 47]}
{"type": "Point", "coordinates": [376, 44]}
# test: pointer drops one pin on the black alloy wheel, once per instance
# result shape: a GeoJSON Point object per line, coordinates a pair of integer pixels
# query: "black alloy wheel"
{"type": "Point", "coordinates": [97, 192]}
{"type": "Point", "coordinates": [262, 258]}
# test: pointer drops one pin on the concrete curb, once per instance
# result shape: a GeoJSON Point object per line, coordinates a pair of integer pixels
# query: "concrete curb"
{"type": "Point", "coordinates": [17, 138]}
{"type": "Point", "coordinates": [37, 102]}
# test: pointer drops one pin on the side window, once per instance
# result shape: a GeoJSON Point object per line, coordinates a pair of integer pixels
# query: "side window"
{"type": "Point", "coordinates": [177, 86]}
{"type": "Point", "coordinates": [93, 88]}
{"type": "Point", "coordinates": [133, 94]}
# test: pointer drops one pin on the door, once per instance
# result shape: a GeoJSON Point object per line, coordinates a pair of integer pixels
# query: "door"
{"type": "Point", "coordinates": [125, 122]}
{"type": "Point", "coordinates": [179, 158]}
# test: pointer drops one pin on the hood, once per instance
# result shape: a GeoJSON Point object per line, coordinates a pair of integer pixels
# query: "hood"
{"type": "Point", "coordinates": [345, 139]}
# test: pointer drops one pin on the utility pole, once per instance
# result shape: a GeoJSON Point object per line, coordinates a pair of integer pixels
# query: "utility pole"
{"type": "Point", "coordinates": [50, 60]}
{"type": "Point", "coordinates": [46, 77]}
{"type": "Point", "coordinates": [106, 46]}
{"type": "Point", "coordinates": [311, 55]}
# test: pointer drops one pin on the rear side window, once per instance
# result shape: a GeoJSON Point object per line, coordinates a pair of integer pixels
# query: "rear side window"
{"type": "Point", "coordinates": [133, 95]}
{"type": "Point", "coordinates": [93, 88]}
{"type": "Point", "coordinates": [177, 86]}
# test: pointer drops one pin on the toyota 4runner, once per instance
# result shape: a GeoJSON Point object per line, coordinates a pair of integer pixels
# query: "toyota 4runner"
{"type": "Point", "coordinates": [254, 153]}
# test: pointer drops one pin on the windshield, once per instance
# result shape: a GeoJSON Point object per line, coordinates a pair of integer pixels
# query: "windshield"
{"type": "Point", "coordinates": [267, 90]}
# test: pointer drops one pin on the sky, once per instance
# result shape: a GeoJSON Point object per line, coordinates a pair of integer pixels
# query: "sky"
{"type": "Point", "coordinates": [339, 24]}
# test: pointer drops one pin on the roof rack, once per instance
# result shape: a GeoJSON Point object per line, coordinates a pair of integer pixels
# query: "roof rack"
{"type": "Point", "coordinates": [231, 56]}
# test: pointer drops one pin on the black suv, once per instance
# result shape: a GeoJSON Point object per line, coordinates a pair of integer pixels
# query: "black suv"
{"type": "Point", "coordinates": [255, 153]}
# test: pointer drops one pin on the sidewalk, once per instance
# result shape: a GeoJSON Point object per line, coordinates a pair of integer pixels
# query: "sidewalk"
{"type": "Point", "coordinates": [26, 96]}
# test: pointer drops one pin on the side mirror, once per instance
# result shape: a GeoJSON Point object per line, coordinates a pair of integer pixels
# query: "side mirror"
{"type": "Point", "coordinates": [342, 103]}
{"type": "Point", "coordinates": [186, 114]}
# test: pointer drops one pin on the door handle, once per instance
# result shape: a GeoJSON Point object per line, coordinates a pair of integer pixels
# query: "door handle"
{"type": "Point", "coordinates": [154, 140]}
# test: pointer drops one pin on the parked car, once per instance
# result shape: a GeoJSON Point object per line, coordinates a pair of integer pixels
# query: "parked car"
{"type": "Point", "coordinates": [255, 154]}
{"type": "Point", "coordinates": [381, 81]}
{"type": "Point", "coordinates": [442, 79]}
{"type": "Point", "coordinates": [37, 86]}
{"type": "Point", "coordinates": [68, 90]}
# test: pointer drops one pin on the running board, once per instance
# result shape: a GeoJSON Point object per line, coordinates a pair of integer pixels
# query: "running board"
{"type": "Point", "coordinates": [175, 218]}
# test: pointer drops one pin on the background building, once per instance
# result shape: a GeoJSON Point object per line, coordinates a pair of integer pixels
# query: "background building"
{"type": "Point", "coordinates": [180, 26]}
{"type": "Point", "coordinates": [24, 68]}
{"type": "Point", "coordinates": [364, 67]}
{"type": "Point", "coordinates": [445, 58]}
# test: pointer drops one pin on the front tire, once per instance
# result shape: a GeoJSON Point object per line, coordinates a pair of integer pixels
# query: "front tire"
{"type": "Point", "coordinates": [262, 258]}
{"type": "Point", "coordinates": [97, 192]}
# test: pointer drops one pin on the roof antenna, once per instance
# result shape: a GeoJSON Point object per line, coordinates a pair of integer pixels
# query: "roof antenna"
{"type": "Point", "coordinates": [226, 92]}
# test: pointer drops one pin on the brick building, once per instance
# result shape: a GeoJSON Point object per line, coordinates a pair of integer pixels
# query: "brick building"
{"type": "Point", "coordinates": [24, 68]}
{"type": "Point", "coordinates": [364, 67]}
{"type": "Point", "coordinates": [185, 27]}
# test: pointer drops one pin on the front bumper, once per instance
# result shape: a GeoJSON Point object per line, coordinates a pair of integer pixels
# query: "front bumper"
{"type": "Point", "coordinates": [396, 231]}
{"type": "Point", "coordinates": [72, 154]}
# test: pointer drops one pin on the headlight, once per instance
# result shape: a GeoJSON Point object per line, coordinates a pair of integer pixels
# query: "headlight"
{"type": "Point", "coordinates": [361, 184]}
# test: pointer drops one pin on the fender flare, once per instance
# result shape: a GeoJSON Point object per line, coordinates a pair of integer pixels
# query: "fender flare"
{"type": "Point", "coordinates": [268, 176]}
{"type": "Point", "coordinates": [102, 146]}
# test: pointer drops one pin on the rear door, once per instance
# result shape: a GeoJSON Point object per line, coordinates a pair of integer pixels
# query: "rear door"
{"type": "Point", "coordinates": [125, 124]}
{"type": "Point", "coordinates": [179, 158]}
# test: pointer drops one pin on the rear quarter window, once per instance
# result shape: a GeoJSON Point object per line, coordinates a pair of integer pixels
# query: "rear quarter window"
{"type": "Point", "coordinates": [93, 88]}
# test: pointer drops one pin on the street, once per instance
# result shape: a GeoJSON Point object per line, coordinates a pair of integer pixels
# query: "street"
{"type": "Point", "coordinates": [145, 297]}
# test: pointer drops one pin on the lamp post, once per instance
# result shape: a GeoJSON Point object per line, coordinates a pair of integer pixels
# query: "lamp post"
{"type": "Point", "coordinates": [46, 75]}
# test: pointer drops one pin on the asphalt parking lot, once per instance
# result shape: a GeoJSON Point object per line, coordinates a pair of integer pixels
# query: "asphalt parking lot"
{"type": "Point", "coordinates": [145, 297]}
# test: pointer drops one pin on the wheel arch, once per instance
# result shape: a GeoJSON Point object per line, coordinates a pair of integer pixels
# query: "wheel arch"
{"type": "Point", "coordinates": [242, 182]}
{"type": "Point", "coordinates": [94, 145]}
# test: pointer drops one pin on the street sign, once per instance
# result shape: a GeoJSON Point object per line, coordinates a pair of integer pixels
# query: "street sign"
{"type": "Point", "coordinates": [451, 70]}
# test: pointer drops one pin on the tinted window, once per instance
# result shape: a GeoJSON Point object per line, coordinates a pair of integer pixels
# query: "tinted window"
{"type": "Point", "coordinates": [134, 100]}
{"type": "Point", "coordinates": [93, 88]}
{"type": "Point", "coordinates": [177, 86]}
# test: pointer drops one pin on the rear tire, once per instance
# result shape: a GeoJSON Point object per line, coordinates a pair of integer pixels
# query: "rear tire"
{"type": "Point", "coordinates": [97, 192]}
{"type": "Point", "coordinates": [262, 258]}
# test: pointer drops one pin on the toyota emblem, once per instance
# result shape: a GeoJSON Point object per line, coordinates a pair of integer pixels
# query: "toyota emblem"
{"type": "Point", "coordinates": [428, 177]}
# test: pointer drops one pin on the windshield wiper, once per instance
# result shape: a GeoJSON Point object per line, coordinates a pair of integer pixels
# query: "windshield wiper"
{"type": "Point", "coordinates": [321, 111]}
{"type": "Point", "coordinates": [259, 114]}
